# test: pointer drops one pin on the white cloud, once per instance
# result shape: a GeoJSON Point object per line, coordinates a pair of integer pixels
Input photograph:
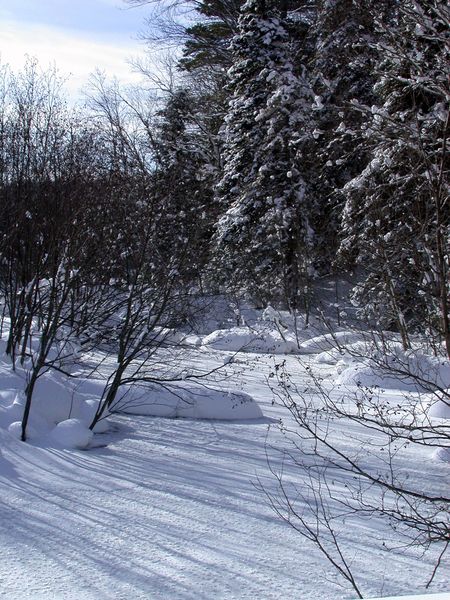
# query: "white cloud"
{"type": "Point", "coordinates": [72, 52]}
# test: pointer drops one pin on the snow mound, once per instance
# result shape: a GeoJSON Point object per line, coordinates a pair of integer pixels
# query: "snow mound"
{"type": "Point", "coordinates": [15, 429]}
{"type": "Point", "coordinates": [442, 454]}
{"type": "Point", "coordinates": [441, 408]}
{"type": "Point", "coordinates": [363, 375]}
{"type": "Point", "coordinates": [11, 413]}
{"type": "Point", "coordinates": [86, 414]}
{"type": "Point", "coordinates": [55, 399]}
{"type": "Point", "coordinates": [406, 371]}
{"type": "Point", "coordinates": [58, 399]}
{"type": "Point", "coordinates": [349, 354]}
{"type": "Point", "coordinates": [329, 357]}
{"type": "Point", "coordinates": [189, 402]}
{"type": "Point", "coordinates": [245, 339]}
{"type": "Point", "coordinates": [72, 433]}
{"type": "Point", "coordinates": [172, 337]}
{"type": "Point", "coordinates": [192, 340]}
{"type": "Point", "coordinates": [330, 342]}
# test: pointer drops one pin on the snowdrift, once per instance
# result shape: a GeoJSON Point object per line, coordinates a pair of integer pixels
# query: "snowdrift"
{"type": "Point", "coordinates": [246, 339]}
{"type": "Point", "coordinates": [184, 401]}
{"type": "Point", "coordinates": [63, 408]}
{"type": "Point", "coordinates": [408, 371]}
{"type": "Point", "coordinates": [330, 342]}
{"type": "Point", "coordinates": [440, 409]}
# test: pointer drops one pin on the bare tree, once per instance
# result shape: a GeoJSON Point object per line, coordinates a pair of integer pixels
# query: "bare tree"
{"type": "Point", "coordinates": [349, 446]}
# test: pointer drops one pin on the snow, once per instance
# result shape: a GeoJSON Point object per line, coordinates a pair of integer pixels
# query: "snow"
{"type": "Point", "coordinates": [409, 371]}
{"type": "Point", "coordinates": [188, 402]}
{"type": "Point", "coordinates": [15, 429]}
{"type": "Point", "coordinates": [71, 433]}
{"type": "Point", "coordinates": [55, 399]}
{"type": "Point", "coordinates": [330, 341]}
{"type": "Point", "coordinates": [9, 412]}
{"type": "Point", "coordinates": [246, 339]}
{"type": "Point", "coordinates": [442, 455]}
{"type": "Point", "coordinates": [175, 508]}
{"type": "Point", "coordinates": [71, 404]}
{"type": "Point", "coordinates": [440, 409]}
{"type": "Point", "coordinates": [86, 413]}
{"type": "Point", "coordinates": [445, 596]}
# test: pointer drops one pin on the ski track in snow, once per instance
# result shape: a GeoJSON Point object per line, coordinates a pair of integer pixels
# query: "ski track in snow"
{"type": "Point", "coordinates": [171, 509]}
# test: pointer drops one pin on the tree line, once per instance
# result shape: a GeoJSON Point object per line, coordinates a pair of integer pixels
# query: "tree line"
{"type": "Point", "coordinates": [93, 253]}
{"type": "Point", "coordinates": [322, 128]}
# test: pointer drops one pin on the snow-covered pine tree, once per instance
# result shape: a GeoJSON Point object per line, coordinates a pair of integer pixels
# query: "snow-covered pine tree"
{"type": "Point", "coordinates": [263, 238]}
{"type": "Point", "coordinates": [183, 182]}
{"type": "Point", "coordinates": [397, 215]}
{"type": "Point", "coordinates": [207, 41]}
{"type": "Point", "coordinates": [344, 38]}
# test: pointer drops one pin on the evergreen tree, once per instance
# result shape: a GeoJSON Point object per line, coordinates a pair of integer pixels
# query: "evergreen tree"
{"type": "Point", "coordinates": [342, 69]}
{"type": "Point", "coordinates": [263, 238]}
{"type": "Point", "coordinates": [207, 41]}
{"type": "Point", "coordinates": [396, 216]}
{"type": "Point", "coordinates": [183, 181]}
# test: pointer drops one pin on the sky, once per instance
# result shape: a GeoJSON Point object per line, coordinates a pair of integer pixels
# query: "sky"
{"type": "Point", "coordinates": [78, 36]}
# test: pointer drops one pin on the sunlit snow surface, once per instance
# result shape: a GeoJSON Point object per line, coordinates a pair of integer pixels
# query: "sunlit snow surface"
{"type": "Point", "coordinates": [173, 509]}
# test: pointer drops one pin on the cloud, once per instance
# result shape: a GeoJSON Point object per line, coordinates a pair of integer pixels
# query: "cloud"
{"type": "Point", "coordinates": [73, 52]}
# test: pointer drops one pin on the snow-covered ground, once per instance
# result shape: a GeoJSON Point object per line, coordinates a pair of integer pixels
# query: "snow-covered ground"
{"type": "Point", "coordinates": [176, 509]}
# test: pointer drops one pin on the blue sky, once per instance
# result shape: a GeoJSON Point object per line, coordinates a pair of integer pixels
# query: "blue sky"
{"type": "Point", "coordinates": [76, 35]}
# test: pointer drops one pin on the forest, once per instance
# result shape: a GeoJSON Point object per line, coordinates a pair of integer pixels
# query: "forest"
{"type": "Point", "coordinates": [291, 143]}
{"type": "Point", "coordinates": [284, 175]}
